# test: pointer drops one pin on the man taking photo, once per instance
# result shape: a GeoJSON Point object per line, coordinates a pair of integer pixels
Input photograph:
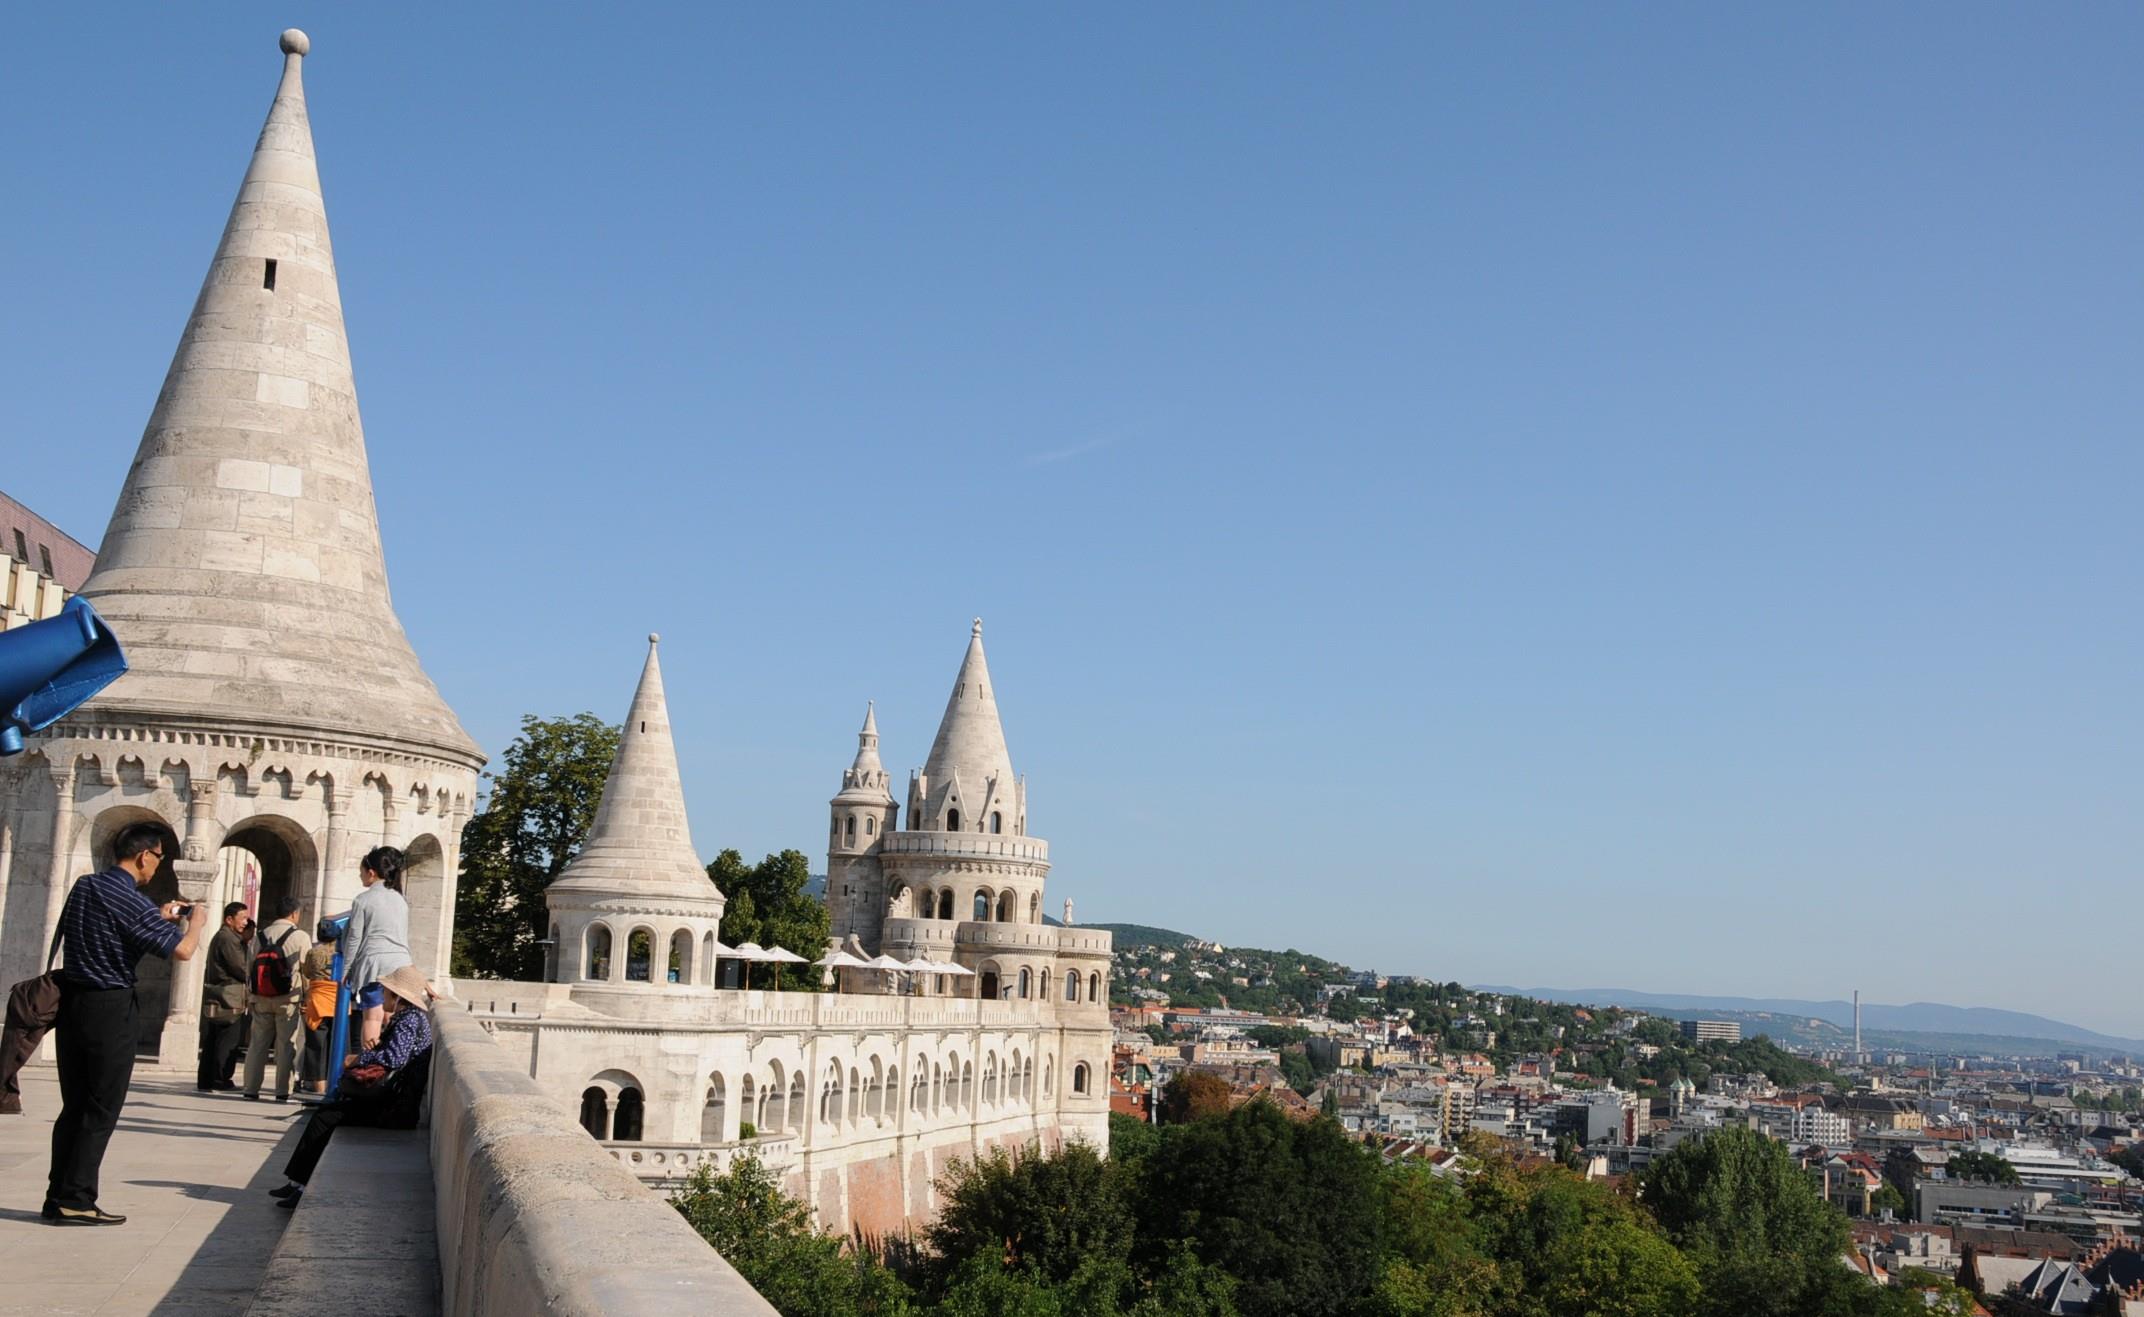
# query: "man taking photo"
{"type": "Point", "coordinates": [107, 925]}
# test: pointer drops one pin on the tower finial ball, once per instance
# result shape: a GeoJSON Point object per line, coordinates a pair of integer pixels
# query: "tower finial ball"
{"type": "Point", "coordinates": [978, 628]}
{"type": "Point", "coordinates": [654, 639]}
{"type": "Point", "coordinates": [295, 42]}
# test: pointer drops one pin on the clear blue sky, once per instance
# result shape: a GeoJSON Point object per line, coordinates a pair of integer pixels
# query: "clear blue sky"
{"type": "Point", "coordinates": [1556, 495]}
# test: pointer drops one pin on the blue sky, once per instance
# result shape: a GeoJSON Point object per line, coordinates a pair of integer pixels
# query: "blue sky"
{"type": "Point", "coordinates": [1536, 495]}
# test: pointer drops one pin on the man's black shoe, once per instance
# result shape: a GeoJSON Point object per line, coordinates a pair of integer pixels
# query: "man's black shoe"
{"type": "Point", "coordinates": [253, 1097]}
{"type": "Point", "coordinates": [49, 1211]}
{"type": "Point", "coordinates": [291, 1201]}
{"type": "Point", "coordinates": [286, 1191]}
{"type": "Point", "coordinates": [87, 1216]}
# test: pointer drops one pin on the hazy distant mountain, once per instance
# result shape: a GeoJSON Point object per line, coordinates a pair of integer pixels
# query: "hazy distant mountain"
{"type": "Point", "coordinates": [1920, 1017]}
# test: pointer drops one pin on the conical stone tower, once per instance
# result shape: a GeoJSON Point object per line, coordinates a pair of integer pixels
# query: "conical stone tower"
{"type": "Point", "coordinates": [636, 904]}
{"type": "Point", "coordinates": [274, 703]}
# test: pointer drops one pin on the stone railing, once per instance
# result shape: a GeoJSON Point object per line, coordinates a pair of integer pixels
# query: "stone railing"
{"type": "Point", "coordinates": [534, 1216]}
{"type": "Point", "coordinates": [657, 1163]}
{"type": "Point", "coordinates": [966, 845]}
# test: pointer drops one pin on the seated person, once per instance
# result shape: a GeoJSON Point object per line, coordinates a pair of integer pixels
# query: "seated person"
{"type": "Point", "coordinates": [382, 1087]}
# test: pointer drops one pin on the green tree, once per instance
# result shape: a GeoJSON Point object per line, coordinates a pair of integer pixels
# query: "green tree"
{"type": "Point", "coordinates": [1048, 1214]}
{"type": "Point", "coordinates": [1131, 1140]}
{"type": "Point", "coordinates": [1989, 1167]}
{"type": "Point", "coordinates": [1887, 1199]}
{"type": "Point", "coordinates": [1288, 1209]}
{"type": "Point", "coordinates": [768, 904]}
{"type": "Point", "coordinates": [541, 803]}
{"type": "Point", "coordinates": [768, 1236]}
{"type": "Point", "coordinates": [1763, 1242]}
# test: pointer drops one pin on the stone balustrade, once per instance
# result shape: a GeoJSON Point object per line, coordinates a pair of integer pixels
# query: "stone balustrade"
{"type": "Point", "coordinates": [534, 1216]}
{"type": "Point", "coordinates": [663, 1163]}
{"type": "Point", "coordinates": [966, 845]}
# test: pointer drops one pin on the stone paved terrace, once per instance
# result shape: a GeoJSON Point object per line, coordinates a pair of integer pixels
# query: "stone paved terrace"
{"type": "Point", "coordinates": [190, 1171]}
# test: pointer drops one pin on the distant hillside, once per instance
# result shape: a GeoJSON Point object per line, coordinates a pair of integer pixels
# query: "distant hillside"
{"type": "Point", "coordinates": [1144, 935]}
{"type": "Point", "coordinates": [1923, 1017]}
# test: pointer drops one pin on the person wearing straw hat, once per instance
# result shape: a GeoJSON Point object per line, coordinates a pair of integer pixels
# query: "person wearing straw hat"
{"type": "Point", "coordinates": [382, 1087]}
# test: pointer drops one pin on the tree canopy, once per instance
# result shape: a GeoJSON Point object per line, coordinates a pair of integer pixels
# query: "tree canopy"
{"type": "Point", "coordinates": [542, 801]}
{"type": "Point", "coordinates": [768, 904]}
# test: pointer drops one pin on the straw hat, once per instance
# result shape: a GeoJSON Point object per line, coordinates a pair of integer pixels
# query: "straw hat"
{"type": "Point", "coordinates": [409, 984]}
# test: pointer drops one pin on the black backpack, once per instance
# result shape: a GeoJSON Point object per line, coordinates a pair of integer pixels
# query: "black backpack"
{"type": "Point", "coordinates": [271, 969]}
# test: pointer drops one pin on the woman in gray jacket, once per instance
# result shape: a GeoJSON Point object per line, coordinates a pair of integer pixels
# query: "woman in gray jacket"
{"type": "Point", "coordinates": [376, 943]}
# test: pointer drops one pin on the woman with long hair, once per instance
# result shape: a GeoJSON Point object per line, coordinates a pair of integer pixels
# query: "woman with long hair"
{"type": "Point", "coordinates": [376, 943]}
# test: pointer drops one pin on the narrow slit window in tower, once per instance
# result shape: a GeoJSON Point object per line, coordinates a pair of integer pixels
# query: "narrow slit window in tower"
{"type": "Point", "coordinates": [268, 277]}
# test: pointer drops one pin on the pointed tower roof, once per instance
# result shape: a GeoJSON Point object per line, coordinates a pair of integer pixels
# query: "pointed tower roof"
{"type": "Point", "coordinates": [970, 742]}
{"type": "Point", "coordinates": [640, 846]}
{"type": "Point", "coordinates": [242, 566]}
{"type": "Point", "coordinates": [865, 779]}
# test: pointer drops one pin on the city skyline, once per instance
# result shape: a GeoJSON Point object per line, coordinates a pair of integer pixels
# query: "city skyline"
{"type": "Point", "coordinates": [1467, 620]}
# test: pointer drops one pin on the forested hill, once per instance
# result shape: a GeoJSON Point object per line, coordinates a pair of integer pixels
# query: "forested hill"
{"type": "Point", "coordinates": [1144, 935]}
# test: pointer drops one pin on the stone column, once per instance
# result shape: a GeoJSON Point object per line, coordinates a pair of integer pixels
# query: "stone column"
{"type": "Point", "coordinates": [182, 1022]}
{"type": "Point", "coordinates": [450, 860]}
{"type": "Point", "coordinates": [338, 879]}
{"type": "Point", "coordinates": [56, 874]}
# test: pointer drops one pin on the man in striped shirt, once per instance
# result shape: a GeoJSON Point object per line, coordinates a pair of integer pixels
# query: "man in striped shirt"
{"type": "Point", "coordinates": [108, 925]}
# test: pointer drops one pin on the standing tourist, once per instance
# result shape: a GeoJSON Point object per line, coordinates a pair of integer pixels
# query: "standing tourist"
{"type": "Point", "coordinates": [108, 925]}
{"type": "Point", "coordinates": [276, 987]}
{"type": "Point", "coordinates": [317, 968]}
{"type": "Point", "coordinates": [377, 941]}
{"type": "Point", "coordinates": [223, 1002]}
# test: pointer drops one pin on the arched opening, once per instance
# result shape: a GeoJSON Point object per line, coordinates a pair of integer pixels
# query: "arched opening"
{"type": "Point", "coordinates": [990, 1080]}
{"type": "Point", "coordinates": [997, 822]}
{"type": "Point", "coordinates": [598, 952]}
{"type": "Point", "coordinates": [855, 1095]}
{"type": "Point", "coordinates": [1049, 1077]}
{"type": "Point", "coordinates": [870, 826]}
{"type": "Point", "coordinates": [747, 1105]}
{"type": "Point", "coordinates": [640, 956]}
{"type": "Point", "coordinates": [424, 886]}
{"type": "Point", "coordinates": [1026, 983]}
{"type": "Point", "coordinates": [1034, 908]}
{"type": "Point", "coordinates": [892, 1093]}
{"type": "Point", "coordinates": [1094, 987]}
{"type": "Point", "coordinates": [774, 1106]}
{"type": "Point", "coordinates": [952, 820]}
{"type": "Point", "coordinates": [982, 907]}
{"type": "Point", "coordinates": [945, 904]}
{"type": "Point", "coordinates": [681, 956]}
{"type": "Point", "coordinates": [850, 837]}
{"type": "Point", "coordinates": [796, 1101]}
{"type": "Point", "coordinates": [967, 1086]}
{"type": "Point", "coordinates": [625, 1126]}
{"type": "Point", "coordinates": [1008, 907]}
{"type": "Point", "coordinates": [1071, 985]}
{"type": "Point", "coordinates": [595, 1112]}
{"type": "Point", "coordinates": [714, 1114]}
{"type": "Point", "coordinates": [987, 985]}
{"type": "Point", "coordinates": [1012, 1079]}
{"type": "Point", "coordinates": [937, 1087]}
{"type": "Point", "coordinates": [1079, 1077]}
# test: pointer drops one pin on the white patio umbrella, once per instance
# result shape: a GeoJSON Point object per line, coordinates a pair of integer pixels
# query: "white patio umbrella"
{"type": "Point", "coordinates": [780, 956]}
{"type": "Point", "coordinates": [751, 953]}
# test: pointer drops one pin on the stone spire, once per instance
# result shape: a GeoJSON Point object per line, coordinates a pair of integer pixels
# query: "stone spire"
{"type": "Point", "coordinates": [640, 845]}
{"type": "Point", "coordinates": [242, 567]}
{"type": "Point", "coordinates": [969, 769]}
{"type": "Point", "coordinates": [866, 777]}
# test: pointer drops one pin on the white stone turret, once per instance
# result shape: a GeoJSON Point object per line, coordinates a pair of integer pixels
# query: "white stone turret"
{"type": "Point", "coordinates": [242, 568]}
{"type": "Point", "coordinates": [862, 813]}
{"type": "Point", "coordinates": [967, 784]}
{"type": "Point", "coordinates": [637, 873]}
{"type": "Point", "coordinates": [274, 704]}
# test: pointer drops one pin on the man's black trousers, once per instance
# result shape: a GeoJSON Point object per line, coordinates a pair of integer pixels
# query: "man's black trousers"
{"type": "Point", "coordinates": [96, 1055]}
{"type": "Point", "coordinates": [219, 1049]}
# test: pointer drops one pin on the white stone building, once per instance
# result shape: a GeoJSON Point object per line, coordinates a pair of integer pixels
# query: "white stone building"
{"type": "Point", "coordinates": [275, 706]}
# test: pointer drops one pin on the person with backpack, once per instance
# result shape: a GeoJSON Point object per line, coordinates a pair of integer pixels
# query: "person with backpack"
{"type": "Point", "coordinates": [277, 992]}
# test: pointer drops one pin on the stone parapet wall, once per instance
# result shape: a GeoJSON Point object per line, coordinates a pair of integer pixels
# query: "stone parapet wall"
{"type": "Point", "coordinates": [966, 845]}
{"type": "Point", "coordinates": [534, 1216]}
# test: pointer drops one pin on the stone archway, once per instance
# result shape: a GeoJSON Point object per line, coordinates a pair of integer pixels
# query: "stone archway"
{"type": "Point", "coordinates": [286, 864]}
